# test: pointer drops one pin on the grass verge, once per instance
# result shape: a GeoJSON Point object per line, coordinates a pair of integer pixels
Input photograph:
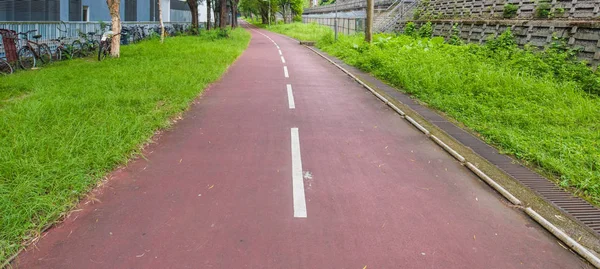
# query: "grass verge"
{"type": "Point", "coordinates": [539, 106]}
{"type": "Point", "coordinates": [64, 127]}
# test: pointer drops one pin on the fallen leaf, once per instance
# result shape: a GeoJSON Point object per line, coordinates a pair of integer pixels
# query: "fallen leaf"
{"type": "Point", "coordinates": [211, 186]}
{"type": "Point", "coordinates": [142, 255]}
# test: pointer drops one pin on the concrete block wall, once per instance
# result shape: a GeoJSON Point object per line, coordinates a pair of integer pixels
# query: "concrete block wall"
{"type": "Point", "coordinates": [584, 35]}
{"type": "Point", "coordinates": [487, 9]}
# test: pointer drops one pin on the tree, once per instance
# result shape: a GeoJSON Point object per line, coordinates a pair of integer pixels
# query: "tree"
{"type": "Point", "coordinates": [223, 14]}
{"type": "Point", "coordinates": [290, 9]}
{"type": "Point", "coordinates": [259, 8]}
{"type": "Point", "coordinates": [114, 8]}
{"type": "Point", "coordinates": [234, 12]}
{"type": "Point", "coordinates": [208, 2]}
{"type": "Point", "coordinates": [369, 26]}
{"type": "Point", "coordinates": [162, 25]}
{"type": "Point", "coordinates": [193, 4]}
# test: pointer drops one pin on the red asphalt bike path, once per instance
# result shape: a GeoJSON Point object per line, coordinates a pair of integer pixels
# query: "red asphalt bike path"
{"type": "Point", "coordinates": [216, 190]}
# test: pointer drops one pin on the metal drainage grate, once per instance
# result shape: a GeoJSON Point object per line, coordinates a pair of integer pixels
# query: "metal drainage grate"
{"type": "Point", "coordinates": [579, 209]}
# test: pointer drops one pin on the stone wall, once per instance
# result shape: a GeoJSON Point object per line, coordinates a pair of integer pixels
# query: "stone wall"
{"type": "Point", "coordinates": [580, 34]}
{"type": "Point", "coordinates": [488, 9]}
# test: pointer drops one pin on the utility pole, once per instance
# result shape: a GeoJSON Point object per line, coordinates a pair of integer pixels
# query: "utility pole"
{"type": "Point", "coordinates": [335, 23]}
{"type": "Point", "coordinates": [369, 26]}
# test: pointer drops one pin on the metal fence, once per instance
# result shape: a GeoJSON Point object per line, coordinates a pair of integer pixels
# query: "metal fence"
{"type": "Point", "coordinates": [348, 26]}
{"type": "Point", "coordinates": [50, 30]}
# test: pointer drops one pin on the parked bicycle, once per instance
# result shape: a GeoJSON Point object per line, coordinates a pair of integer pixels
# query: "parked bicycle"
{"type": "Point", "coordinates": [5, 67]}
{"type": "Point", "coordinates": [105, 44]}
{"type": "Point", "coordinates": [88, 46]}
{"type": "Point", "coordinates": [63, 50]}
{"type": "Point", "coordinates": [32, 51]}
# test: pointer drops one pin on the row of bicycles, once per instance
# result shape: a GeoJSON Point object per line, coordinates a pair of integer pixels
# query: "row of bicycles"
{"type": "Point", "coordinates": [32, 53]}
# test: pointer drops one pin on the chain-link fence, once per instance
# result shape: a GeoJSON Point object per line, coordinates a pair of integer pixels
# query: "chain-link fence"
{"type": "Point", "coordinates": [348, 26]}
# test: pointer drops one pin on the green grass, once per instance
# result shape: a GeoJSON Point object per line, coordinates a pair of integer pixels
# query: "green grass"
{"type": "Point", "coordinates": [536, 106]}
{"type": "Point", "coordinates": [301, 31]}
{"type": "Point", "coordinates": [64, 127]}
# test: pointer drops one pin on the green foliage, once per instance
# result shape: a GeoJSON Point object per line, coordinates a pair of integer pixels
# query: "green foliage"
{"type": "Point", "coordinates": [504, 42]}
{"type": "Point", "coordinates": [410, 29]}
{"type": "Point", "coordinates": [529, 103]}
{"type": "Point", "coordinates": [559, 12]}
{"type": "Point", "coordinates": [542, 10]}
{"type": "Point", "coordinates": [64, 127]}
{"type": "Point", "coordinates": [426, 30]}
{"type": "Point", "coordinates": [302, 32]}
{"type": "Point", "coordinates": [455, 37]}
{"type": "Point", "coordinates": [510, 10]}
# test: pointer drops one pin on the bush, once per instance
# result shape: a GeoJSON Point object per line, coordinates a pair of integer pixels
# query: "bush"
{"type": "Point", "coordinates": [455, 37]}
{"type": "Point", "coordinates": [410, 29]}
{"type": "Point", "coordinates": [510, 10]}
{"type": "Point", "coordinates": [426, 30]}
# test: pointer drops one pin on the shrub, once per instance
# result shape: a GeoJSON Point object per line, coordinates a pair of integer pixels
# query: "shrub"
{"type": "Point", "coordinates": [426, 30]}
{"type": "Point", "coordinates": [510, 10]}
{"type": "Point", "coordinates": [410, 29]}
{"type": "Point", "coordinates": [455, 37]}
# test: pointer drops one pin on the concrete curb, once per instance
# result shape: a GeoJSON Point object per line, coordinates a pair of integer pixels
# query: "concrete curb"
{"type": "Point", "coordinates": [581, 250]}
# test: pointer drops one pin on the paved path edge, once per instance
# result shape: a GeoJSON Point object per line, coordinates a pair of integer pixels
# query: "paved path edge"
{"type": "Point", "coordinates": [583, 251]}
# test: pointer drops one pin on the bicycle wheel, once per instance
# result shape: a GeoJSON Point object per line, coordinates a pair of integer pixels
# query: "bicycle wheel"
{"type": "Point", "coordinates": [77, 49]}
{"type": "Point", "coordinates": [26, 57]}
{"type": "Point", "coordinates": [45, 54]}
{"type": "Point", "coordinates": [103, 50]}
{"type": "Point", "coordinates": [5, 68]}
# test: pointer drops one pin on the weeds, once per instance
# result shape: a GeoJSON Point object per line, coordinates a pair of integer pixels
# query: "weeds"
{"type": "Point", "coordinates": [541, 106]}
{"type": "Point", "coordinates": [510, 10]}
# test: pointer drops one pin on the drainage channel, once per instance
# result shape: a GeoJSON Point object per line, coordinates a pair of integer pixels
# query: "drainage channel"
{"type": "Point", "coordinates": [579, 209]}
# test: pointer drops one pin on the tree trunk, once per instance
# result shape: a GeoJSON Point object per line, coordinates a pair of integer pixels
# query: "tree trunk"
{"type": "Point", "coordinates": [193, 4]}
{"type": "Point", "coordinates": [216, 11]}
{"type": "Point", "coordinates": [223, 15]}
{"type": "Point", "coordinates": [208, 14]}
{"type": "Point", "coordinates": [369, 26]}
{"type": "Point", "coordinates": [162, 25]}
{"type": "Point", "coordinates": [114, 8]}
{"type": "Point", "coordinates": [234, 11]}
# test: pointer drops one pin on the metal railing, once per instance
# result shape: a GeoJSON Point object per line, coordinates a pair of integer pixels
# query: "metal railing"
{"type": "Point", "coordinates": [347, 26]}
{"type": "Point", "coordinates": [344, 6]}
{"type": "Point", "coordinates": [50, 30]}
{"type": "Point", "coordinates": [406, 8]}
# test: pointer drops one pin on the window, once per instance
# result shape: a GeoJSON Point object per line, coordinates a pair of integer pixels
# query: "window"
{"type": "Point", "coordinates": [29, 10]}
{"type": "Point", "coordinates": [86, 14]}
{"type": "Point", "coordinates": [75, 10]}
{"type": "Point", "coordinates": [130, 10]}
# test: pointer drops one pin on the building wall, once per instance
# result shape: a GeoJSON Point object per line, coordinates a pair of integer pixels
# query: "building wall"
{"type": "Point", "coordinates": [55, 10]}
{"type": "Point", "coordinates": [99, 10]}
{"type": "Point", "coordinates": [29, 10]}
